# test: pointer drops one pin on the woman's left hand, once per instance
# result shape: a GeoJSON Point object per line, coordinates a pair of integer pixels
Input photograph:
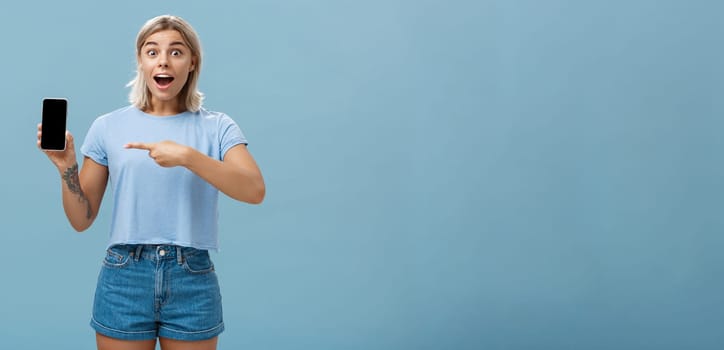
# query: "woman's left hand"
{"type": "Point", "coordinates": [165, 153]}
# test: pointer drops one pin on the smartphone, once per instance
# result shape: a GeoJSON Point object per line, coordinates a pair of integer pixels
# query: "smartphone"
{"type": "Point", "coordinates": [55, 112]}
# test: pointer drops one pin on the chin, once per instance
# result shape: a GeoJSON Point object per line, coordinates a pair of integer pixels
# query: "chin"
{"type": "Point", "coordinates": [164, 96]}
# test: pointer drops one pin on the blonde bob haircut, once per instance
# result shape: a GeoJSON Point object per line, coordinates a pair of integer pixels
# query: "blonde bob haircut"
{"type": "Point", "coordinates": [191, 98]}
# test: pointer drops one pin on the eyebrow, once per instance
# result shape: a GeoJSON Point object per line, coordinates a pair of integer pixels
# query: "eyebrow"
{"type": "Point", "coordinates": [175, 43]}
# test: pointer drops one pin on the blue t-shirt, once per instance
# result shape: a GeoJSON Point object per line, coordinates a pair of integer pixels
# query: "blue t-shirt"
{"type": "Point", "coordinates": [153, 204]}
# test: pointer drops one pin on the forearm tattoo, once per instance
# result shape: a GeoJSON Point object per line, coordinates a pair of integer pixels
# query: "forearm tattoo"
{"type": "Point", "coordinates": [73, 182]}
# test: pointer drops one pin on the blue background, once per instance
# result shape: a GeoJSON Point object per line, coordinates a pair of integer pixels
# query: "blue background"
{"type": "Point", "coordinates": [440, 174]}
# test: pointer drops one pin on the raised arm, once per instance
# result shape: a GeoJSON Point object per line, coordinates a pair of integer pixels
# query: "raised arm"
{"type": "Point", "coordinates": [237, 176]}
{"type": "Point", "coordinates": [83, 190]}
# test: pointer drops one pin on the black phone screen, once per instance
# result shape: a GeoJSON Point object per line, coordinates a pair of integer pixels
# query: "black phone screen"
{"type": "Point", "coordinates": [53, 128]}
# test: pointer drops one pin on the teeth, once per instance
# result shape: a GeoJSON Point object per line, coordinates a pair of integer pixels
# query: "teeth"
{"type": "Point", "coordinates": [163, 76]}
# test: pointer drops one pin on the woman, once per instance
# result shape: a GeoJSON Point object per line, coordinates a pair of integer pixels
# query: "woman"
{"type": "Point", "coordinates": [167, 158]}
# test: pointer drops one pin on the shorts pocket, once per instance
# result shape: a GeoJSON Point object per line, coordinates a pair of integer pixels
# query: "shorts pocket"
{"type": "Point", "coordinates": [116, 258]}
{"type": "Point", "coordinates": [198, 262]}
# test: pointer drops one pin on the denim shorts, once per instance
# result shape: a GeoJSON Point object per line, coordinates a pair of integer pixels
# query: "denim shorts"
{"type": "Point", "coordinates": [149, 291]}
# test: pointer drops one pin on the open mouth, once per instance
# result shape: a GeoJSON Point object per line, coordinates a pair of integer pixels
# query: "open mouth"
{"type": "Point", "coordinates": [163, 80]}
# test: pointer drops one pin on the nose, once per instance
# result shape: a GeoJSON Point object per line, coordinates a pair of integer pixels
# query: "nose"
{"type": "Point", "coordinates": [162, 61]}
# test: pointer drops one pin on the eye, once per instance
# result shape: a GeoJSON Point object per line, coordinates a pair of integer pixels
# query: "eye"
{"type": "Point", "coordinates": [151, 52]}
{"type": "Point", "coordinates": [176, 53]}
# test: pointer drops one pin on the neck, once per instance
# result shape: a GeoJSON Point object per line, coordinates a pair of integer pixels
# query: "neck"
{"type": "Point", "coordinates": [164, 108]}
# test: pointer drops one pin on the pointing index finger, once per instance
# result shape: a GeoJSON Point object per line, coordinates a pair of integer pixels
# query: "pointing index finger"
{"type": "Point", "coordinates": [138, 145]}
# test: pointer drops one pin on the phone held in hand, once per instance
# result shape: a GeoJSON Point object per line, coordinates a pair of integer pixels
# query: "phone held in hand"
{"type": "Point", "coordinates": [55, 112]}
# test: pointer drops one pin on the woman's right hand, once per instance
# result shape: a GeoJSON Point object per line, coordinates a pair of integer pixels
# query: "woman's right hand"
{"type": "Point", "coordinates": [61, 159]}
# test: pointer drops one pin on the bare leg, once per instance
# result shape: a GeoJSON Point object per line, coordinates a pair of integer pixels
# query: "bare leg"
{"type": "Point", "coordinates": [172, 344]}
{"type": "Point", "coordinates": [108, 343]}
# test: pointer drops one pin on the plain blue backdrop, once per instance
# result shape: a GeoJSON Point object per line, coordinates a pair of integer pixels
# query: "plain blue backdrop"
{"type": "Point", "coordinates": [440, 174]}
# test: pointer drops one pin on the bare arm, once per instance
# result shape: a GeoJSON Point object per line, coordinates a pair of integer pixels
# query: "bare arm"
{"type": "Point", "coordinates": [238, 176]}
{"type": "Point", "coordinates": [82, 191]}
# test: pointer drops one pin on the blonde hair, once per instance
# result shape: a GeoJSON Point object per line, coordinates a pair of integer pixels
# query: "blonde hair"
{"type": "Point", "coordinates": [190, 97]}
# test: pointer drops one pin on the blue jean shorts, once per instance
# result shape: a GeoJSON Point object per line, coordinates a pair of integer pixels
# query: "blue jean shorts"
{"type": "Point", "coordinates": [149, 291]}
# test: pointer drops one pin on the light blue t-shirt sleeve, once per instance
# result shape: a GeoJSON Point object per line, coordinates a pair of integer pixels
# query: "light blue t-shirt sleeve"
{"type": "Point", "coordinates": [93, 146]}
{"type": "Point", "coordinates": [230, 135]}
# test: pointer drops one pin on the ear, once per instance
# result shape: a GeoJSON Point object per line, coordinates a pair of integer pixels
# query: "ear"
{"type": "Point", "coordinates": [193, 65]}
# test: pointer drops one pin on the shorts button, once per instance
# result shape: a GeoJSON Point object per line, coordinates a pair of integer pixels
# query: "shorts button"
{"type": "Point", "coordinates": [161, 252]}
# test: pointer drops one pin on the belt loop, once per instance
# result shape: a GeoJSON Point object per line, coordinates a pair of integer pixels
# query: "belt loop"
{"type": "Point", "coordinates": [139, 248]}
{"type": "Point", "coordinates": [179, 257]}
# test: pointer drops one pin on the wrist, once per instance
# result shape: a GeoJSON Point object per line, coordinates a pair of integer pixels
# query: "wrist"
{"type": "Point", "coordinates": [66, 168]}
{"type": "Point", "coordinates": [187, 160]}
